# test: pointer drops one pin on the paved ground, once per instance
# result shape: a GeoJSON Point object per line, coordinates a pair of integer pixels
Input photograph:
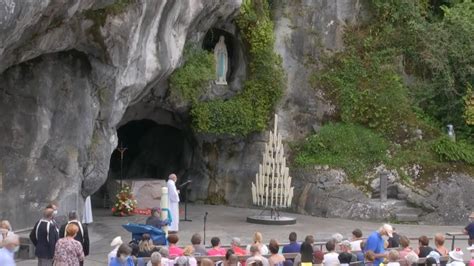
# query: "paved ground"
{"type": "Point", "coordinates": [227, 222]}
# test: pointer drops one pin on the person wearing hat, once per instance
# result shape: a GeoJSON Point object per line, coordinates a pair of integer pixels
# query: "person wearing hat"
{"type": "Point", "coordinates": [375, 243]}
{"type": "Point", "coordinates": [116, 242]}
{"type": "Point", "coordinates": [469, 229]}
{"type": "Point", "coordinates": [456, 257]}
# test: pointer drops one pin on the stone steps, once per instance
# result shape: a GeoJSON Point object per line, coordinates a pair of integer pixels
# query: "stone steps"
{"type": "Point", "coordinates": [407, 214]}
{"type": "Point", "coordinates": [406, 217]}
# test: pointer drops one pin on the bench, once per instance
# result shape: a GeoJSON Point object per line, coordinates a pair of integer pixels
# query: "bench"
{"type": "Point", "coordinates": [27, 249]}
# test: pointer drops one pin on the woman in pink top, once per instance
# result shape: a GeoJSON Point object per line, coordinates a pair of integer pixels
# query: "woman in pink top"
{"type": "Point", "coordinates": [405, 244]}
{"type": "Point", "coordinates": [216, 249]}
{"type": "Point", "coordinates": [173, 249]}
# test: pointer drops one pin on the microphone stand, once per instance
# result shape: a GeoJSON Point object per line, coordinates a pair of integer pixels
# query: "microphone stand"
{"type": "Point", "coordinates": [205, 220]}
{"type": "Point", "coordinates": [185, 185]}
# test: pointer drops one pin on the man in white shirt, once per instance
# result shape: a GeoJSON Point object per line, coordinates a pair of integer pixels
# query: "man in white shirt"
{"type": "Point", "coordinates": [173, 196]}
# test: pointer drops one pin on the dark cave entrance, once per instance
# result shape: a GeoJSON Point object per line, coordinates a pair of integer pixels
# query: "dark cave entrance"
{"type": "Point", "coordinates": [153, 151]}
{"type": "Point", "coordinates": [155, 148]}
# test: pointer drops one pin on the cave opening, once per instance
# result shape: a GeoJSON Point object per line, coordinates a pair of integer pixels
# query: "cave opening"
{"type": "Point", "coordinates": [153, 151]}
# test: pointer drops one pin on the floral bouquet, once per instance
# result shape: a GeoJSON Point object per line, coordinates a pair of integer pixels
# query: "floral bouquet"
{"type": "Point", "coordinates": [125, 203]}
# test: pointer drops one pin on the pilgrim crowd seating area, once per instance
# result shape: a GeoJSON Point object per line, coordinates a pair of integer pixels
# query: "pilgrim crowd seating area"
{"type": "Point", "coordinates": [320, 246]}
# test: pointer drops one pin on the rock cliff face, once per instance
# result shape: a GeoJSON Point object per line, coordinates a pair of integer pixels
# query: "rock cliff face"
{"type": "Point", "coordinates": [69, 70]}
{"type": "Point", "coordinates": [73, 72]}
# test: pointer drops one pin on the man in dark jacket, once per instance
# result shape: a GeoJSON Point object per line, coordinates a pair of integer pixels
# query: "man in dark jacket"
{"type": "Point", "coordinates": [44, 236]}
{"type": "Point", "coordinates": [82, 235]}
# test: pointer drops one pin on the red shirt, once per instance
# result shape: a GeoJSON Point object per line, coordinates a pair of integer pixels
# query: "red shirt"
{"type": "Point", "coordinates": [175, 251]}
{"type": "Point", "coordinates": [239, 251]}
{"type": "Point", "coordinates": [216, 252]}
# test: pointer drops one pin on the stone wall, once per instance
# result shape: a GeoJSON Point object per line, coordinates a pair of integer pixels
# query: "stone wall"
{"type": "Point", "coordinates": [67, 76]}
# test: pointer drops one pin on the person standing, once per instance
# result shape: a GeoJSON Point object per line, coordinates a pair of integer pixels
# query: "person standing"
{"type": "Point", "coordinates": [68, 251]}
{"type": "Point", "coordinates": [87, 215]}
{"type": "Point", "coordinates": [82, 235]}
{"type": "Point", "coordinates": [44, 236]}
{"type": "Point", "coordinates": [173, 196]}
{"type": "Point", "coordinates": [469, 230]}
{"type": "Point", "coordinates": [11, 244]}
{"type": "Point", "coordinates": [375, 243]}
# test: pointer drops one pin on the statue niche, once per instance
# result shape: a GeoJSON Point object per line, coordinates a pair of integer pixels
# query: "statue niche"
{"type": "Point", "coordinates": [222, 59]}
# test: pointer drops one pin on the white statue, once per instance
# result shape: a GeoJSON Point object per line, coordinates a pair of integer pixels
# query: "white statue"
{"type": "Point", "coordinates": [272, 187]}
{"type": "Point", "coordinates": [451, 134]}
{"type": "Point", "coordinates": [220, 54]}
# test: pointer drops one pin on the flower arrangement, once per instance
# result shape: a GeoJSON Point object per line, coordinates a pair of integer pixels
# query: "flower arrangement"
{"type": "Point", "coordinates": [125, 202]}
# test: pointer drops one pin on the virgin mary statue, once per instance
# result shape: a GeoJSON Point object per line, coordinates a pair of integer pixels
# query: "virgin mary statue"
{"type": "Point", "coordinates": [220, 54]}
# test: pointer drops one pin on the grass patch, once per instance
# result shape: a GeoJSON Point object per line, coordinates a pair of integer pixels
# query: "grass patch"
{"type": "Point", "coordinates": [351, 147]}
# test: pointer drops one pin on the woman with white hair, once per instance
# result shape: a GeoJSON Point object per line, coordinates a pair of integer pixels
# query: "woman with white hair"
{"type": "Point", "coordinates": [155, 259]}
{"type": "Point", "coordinates": [116, 242]}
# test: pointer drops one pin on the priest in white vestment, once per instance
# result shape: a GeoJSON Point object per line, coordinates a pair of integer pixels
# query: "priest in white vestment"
{"type": "Point", "coordinates": [173, 206]}
{"type": "Point", "coordinates": [87, 215]}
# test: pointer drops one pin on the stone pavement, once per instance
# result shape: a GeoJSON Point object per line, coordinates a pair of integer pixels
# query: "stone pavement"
{"type": "Point", "coordinates": [227, 222]}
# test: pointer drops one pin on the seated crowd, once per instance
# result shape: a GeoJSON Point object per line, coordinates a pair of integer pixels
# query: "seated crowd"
{"type": "Point", "coordinates": [68, 244]}
{"type": "Point", "coordinates": [382, 247]}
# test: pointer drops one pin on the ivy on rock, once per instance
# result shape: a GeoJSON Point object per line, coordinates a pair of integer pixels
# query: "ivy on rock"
{"type": "Point", "coordinates": [250, 110]}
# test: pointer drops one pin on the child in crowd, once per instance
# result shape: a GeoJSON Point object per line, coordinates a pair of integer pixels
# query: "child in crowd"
{"type": "Point", "coordinates": [393, 258]}
{"type": "Point", "coordinates": [369, 258]}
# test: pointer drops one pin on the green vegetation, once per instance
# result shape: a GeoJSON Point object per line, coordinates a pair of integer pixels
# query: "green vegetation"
{"type": "Point", "coordinates": [189, 81]}
{"type": "Point", "coordinates": [250, 110]}
{"type": "Point", "coordinates": [469, 106]}
{"type": "Point", "coordinates": [367, 90]}
{"type": "Point", "coordinates": [450, 151]}
{"type": "Point", "coordinates": [410, 68]}
{"type": "Point", "coordinates": [351, 147]}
